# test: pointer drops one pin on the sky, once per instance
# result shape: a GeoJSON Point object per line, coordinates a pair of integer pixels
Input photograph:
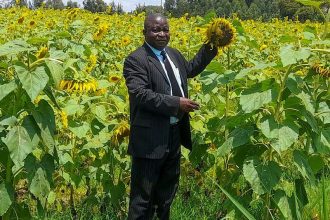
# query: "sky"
{"type": "Point", "coordinates": [128, 5]}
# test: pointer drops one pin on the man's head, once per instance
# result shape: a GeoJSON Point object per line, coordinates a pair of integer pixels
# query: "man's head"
{"type": "Point", "coordinates": [156, 31]}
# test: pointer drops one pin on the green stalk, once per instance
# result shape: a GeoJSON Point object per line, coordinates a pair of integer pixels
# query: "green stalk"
{"type": "Point", "coordinates": [227, 94]}
{"type": "Point", "coordinates": [324, 200]}
{"type": "Point", "coordinates": [227, 107]}
{"type": "Point", "coordinates": [6, 216]}
{"type": "Point", "coordinates": [278, 102]}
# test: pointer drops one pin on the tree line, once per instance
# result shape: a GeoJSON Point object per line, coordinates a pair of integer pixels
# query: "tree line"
{"type": "Point", "coordinates": [245, 9]}
{"type": "Point", "coordinates": [248, 9]}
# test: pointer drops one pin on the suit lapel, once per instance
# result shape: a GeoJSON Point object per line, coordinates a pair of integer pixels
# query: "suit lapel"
{"type": "Point", "coordinates": [154, 60]}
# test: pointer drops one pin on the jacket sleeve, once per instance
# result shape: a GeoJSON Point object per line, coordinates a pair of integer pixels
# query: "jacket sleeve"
{"type": "Point", "coordinates": [139, 89]}
{"type": "Point", "coordinates": [199, 62]}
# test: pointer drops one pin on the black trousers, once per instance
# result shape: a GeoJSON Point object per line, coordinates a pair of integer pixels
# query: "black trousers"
{"type": "Point", "coordinates": [154, 182]}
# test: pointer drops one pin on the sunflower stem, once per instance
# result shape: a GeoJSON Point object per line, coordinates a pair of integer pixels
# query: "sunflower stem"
{"type": "Point", "coordinates": [227, 94]}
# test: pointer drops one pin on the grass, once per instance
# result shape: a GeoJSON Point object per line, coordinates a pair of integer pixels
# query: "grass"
{"type": "Point", "coordinates": [199, 199]}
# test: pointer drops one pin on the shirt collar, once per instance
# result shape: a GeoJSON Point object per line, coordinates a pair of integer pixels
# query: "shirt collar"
{"type": "Point", "coordinates": [156, 52]}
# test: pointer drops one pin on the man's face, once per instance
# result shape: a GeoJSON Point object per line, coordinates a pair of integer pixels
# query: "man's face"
{"type": "Point", "coordinates": [157, 32]}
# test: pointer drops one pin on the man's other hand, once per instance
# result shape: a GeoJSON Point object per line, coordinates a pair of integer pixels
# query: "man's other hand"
{"type": "Point", "coordinates": [188, 105]}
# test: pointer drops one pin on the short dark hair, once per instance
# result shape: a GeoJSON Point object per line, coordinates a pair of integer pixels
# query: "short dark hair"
{"type": "Point", "coordinates": [150, 17]}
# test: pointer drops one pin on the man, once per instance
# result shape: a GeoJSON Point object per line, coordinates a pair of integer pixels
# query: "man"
{"type": "Point", "coordinates": [156, 78]}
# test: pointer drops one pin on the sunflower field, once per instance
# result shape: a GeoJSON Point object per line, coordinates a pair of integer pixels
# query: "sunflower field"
{"type": "Point", "coordinates": [261, 137]}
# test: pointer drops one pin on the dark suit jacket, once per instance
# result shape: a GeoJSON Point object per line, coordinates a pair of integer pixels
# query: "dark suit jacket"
{"type": "Point", "coordinates": [151, 104]}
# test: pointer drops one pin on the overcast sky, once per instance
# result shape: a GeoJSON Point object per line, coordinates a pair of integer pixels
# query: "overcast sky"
{"type": "Point", "coordinates": [128, 5]}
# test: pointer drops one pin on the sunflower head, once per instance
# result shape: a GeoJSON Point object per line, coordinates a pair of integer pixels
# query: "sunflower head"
{"type": "Point", "coordinates": [32, 24]}
{"type": "Point", "coordinates": [322, 70]}
{"type": "Point", "coordinates": [42, 52]}
{"type": "Point", "coordinates": [220, 33]}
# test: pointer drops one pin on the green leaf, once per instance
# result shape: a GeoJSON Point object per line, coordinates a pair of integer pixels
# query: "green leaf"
{"type": "Point", "coordinates": [282, 203]}
{"type": "Point", "coordinates": [19, 145]}
{"type": "Point", "coordinates": [56, 71]}
{"type": "Point", "coordinates": [80, 130]}
{"type": "Point", "coordinates": [290, 56]}
{"type": "Point", "coordinates": [32, 129]}
{"type": "Point", "coordinates": [238, 205]}
{"type": "Point", "coordinates": [13, 47]}
{"type": "Point", "coordinates": [215, 66]}
{"type": "Point", "coordinates": [300, 193]}
{"type": "Point", "coordinates": [258, 66]}
{"type": "Point", "coordinates": [301, 162]}
{"type": "Point", "coordinates": [37, 40]}
{"type": "Point", "coordinates": [197, 153]}
{"type": "Point", "coordinates": [281, 136]}
{"type": "Point", "coordinates": [325, 140]}
{"type": "Point", "coordinates": [40, 187]}
{"type": "Point", "coordinates": [258, 95]}
{"type": "Point", "coordinates": [100, 112]}
{"type": "Point", "coordinates": [210, 16]}
{"type": "Point", "coordinates": [44, 116]}
{"type": "Point", "coordinates": [48, 91]}
{"type": "Point", "coordinates": [306, 101]}
{"type": "Point", "coordinates": [11, 121]}
{"type": "Point", "coordinates": [236, 138]}
{"type": "Point", "coordinates": [7, 197]}
{"type": "Point", "coordinates": [117, 192]}
{"type": "Point", "coordinates": [316, 162]}
{"type": "Point", "coordinates": [324, 112]}
{"type": "Point", "coordinates": [310, 3]}
{"type": "Point", "coordinates": [239, 27]}
{"type": "Point", "coordinates": [287, 39]}
{"type": "Point", "coordinates": [33, 82]}
{"type": "Point", "coordinates": [7, 88]}
{"type": "Point", "coordinates": [262, 178]}
{"type": "Point", "coordinates": [72, 107]}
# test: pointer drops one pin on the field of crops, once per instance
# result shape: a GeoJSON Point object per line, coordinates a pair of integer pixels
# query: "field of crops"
{"type": "Point", "coordinates": [261, 137]}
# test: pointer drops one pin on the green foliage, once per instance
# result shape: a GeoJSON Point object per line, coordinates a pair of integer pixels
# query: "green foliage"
{"type": "Point", "coordinates": [95, 5]}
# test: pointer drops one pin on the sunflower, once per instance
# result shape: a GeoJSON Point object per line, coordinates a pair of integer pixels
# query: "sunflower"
{"type": "Point", "coordinates": [20, 20]}
{"type": "Point", "coordinates": [32, 24]}
{"type": "Point", "coordinates": [263, 47]}
{"type": "Point", "coordinates": [102, 30]}
{"type": "Point", "coordinates": [321, 69]}
{"type": "Point", "coordinates": [78, 85]}
{"type": "Point", "coordinates": [121, 131]}
{"type": "Point", "coordinates": [114, 78]}
{"type": "Point", "coordinates": [42, 52]}
{"type": "Point", "coordinates": [92, 60]}
{"type": "Point", "coordinates": [64, 119]}
{"type": "Point", "coordinates": [96, 19]}
{"type": "Point", "coordinates": [220, 33]}
{"type": "Point", "coordinates": [126, 40]}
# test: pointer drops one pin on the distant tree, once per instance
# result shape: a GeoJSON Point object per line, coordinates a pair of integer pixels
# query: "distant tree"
{"type": "Point", "coordinates": [308, 13]}
{"type": "Point", "coordinates": [325, 7]}
{"type": "Point", "coordinates": [55, 4]}
{"type": "Point", "coordinates": [240, 8]}
{"type": "Point", "coordinates": [288, 8]}
{"type": "Point", "coordinates": [115, 8]}
{"type": "Point", "coordinates": [148, 9]}
{"type": "Point", "coordinates": [223, 8]}
{"type": "Point", "coordinates": [36, 3]}
{"type": "Point", "coordinates": [248, 2]}
{"type": "Point", "coordinates": [71, 4]}
{"type": "Point", "coordinates": [253, 12]}
{"type": "Point", "coordinates": [169, 6]}
{"type": "Point", "coordinates": [95, 5]}
{"type": "Point", "coordinates": [21, 3]}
